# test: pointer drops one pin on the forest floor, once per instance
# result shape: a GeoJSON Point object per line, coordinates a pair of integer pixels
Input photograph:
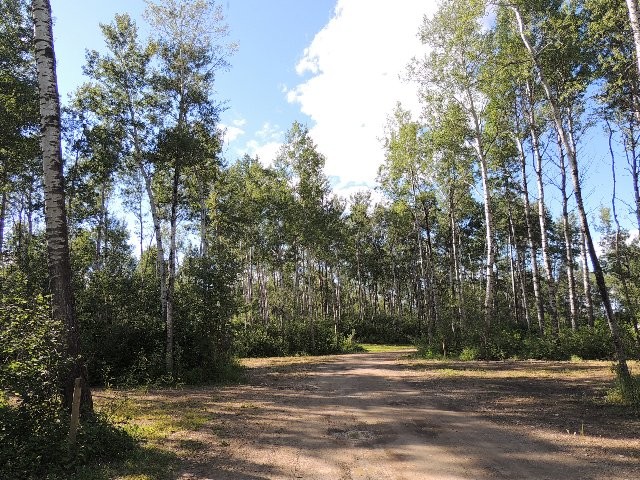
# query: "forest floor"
{"type": "Point", "coordinates": [387, 416]}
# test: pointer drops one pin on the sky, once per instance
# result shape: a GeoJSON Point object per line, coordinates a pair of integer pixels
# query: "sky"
{"type": "Point", "coordinates": [336, 66]}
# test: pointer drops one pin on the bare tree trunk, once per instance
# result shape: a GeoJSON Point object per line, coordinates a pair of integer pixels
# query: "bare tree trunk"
{"type": "Point", "coordinates": [457, 260]}
{"type": "Point", "coordinates": [622, 368]}
{"type": "Point", "coordinates": [542, 220]}
{"type": "Point", "coordinates": [171, 277]}
{"type": "Point", "coordinates": [568, 242]}
{"type": "Point", "coordinates": [360, 290]}
{"type": "Point", "coordinates": [488, 218]}
{"type": "Point", "coordinates": [249, 297]}
{"type": "Point", "coordinates": [55, 210]}
{"type": "Point", "coordinates": [586, 281]}
{"type": "Point", "coordinates": [634, 20]}
{"type": "Point", "coordinates": [523, 288]}
{"type": "Point", "coordinates": [512, 267]}
{"type": "Point", "coordinates": [532, 247]}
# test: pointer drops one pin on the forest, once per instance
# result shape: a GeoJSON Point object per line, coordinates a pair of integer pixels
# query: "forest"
{"type": "Point", "coordinates": [132, 252]}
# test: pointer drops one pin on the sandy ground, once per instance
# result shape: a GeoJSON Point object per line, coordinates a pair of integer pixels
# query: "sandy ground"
{"type": "Point", "coordinates": [383, 416]}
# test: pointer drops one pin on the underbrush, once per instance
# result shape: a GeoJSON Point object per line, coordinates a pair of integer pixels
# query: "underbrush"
{"type": "Point", "coordinates": [34, 427]}
{"type": "Point", "coordinates": [625, 391]}
{"type": "Point", "coordinates": [35, 444]}
{"type": "Point", "coordinates": [273, 340]}
{"type": "Point", "coordinates": [587, 343]}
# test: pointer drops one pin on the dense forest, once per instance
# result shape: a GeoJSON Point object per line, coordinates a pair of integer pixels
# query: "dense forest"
{"type": "Point", "coordinates": [478, 245]}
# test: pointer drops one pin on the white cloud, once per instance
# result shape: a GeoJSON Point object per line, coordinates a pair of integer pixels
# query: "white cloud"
{"type": "Point", "coordinates": [269, 132]}
{"type": "Point", "coordinates": [356, 63]}
{"type": "Point", "coordinates": [346, 191]}
{"type": "Point", "coordinates": [232, 132]}
{"type": "Point", "coordinates": [265, 144]}
{"type": "Point", "coordinates": [266, 152]}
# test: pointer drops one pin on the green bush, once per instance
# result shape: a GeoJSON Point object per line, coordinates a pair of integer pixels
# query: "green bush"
{"type": "Point", "coordinates": [348, 344]}
{"type": "Point", "coordinates": [299, 338]}
{"type": "Point", "coordinates": [626, 391]}
{"type": "Point", "coordinates": [33, 425]}
{"type": "Point", "coordinates": [469, 354]}
{"type": "Point", "coordinates": [31, 348]}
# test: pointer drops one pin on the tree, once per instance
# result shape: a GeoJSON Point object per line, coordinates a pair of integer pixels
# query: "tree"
{"type": "Point", "coordinates": [551, 95]}
{"type": "Point", "coordinates": [190, 36]}
{"type": "Point", "coordinates": [19, 116]}
{"type": "Point", "coordinates": [55, 211]}
{"type": "Point", "coordinates": [634, 21]}
{"type": "Point", "coordinates": [454, 72]}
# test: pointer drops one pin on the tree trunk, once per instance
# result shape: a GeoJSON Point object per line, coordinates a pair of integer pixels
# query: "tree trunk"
{"type": "Point", "coordinates": [55, 212]}
{"type": "Point", "coordinates": [622, 368]}
{"type": "Point", "coordinates": [512, 265]}
{"type": "Point", "coordinates": [634, 20]}
{"type": "Point", "coordinates": [171, 277]}
{"type": "Point", "coordinates": [586, 281]}
{"type": "Point", "coordinates": [542, 220]}
{"type": "Point", "coordinates": [568, 242]}
{"type": "Point", "coordinates": [457, 260]}
{"type": "Point", "coordinates": [488, 218]}
{"type": "Point", "coordinates": [532, 247]}
{"type": "Point", "coordinates": [157, 229]}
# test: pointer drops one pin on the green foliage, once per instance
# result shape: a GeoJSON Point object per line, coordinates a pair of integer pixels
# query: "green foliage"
{"type": "Point", "coordinates": [36, 447]}
{"type": "Point", "coordinates": [348, 344]}
{"type": "Point", "coordinates": [626, 392]}
{"type": "Point", "coordinates": [31, 347]}
{"type": "Point", "coordinates": [469, 354]}
{"type": "Point", "coordinates": [204, 308]}
{"type": "Point", "coordinates": [585, 342]}
{"type": "Point", "coordinates": [33, 427]}
{"type": "Point", "coordinates": [384, 328]}
{"type": "Point", "coordinates": [318, 338]}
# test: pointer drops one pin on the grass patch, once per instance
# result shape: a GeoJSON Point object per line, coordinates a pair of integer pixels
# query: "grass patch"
{"type": "Point", "coordinates": [375, 348]}
{"type": "Point", "coordinates": [625, 393]}
{"type": "Point", "coordinates": [152, 418]}
{"type": "Point", "coordinates": [149, 419]}
{"type": "Point", "coordinates": [144, 463]}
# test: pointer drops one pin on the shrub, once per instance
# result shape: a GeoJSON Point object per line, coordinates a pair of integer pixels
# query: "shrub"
{"type": "Point", "coordinates": [469, 354]}
{"type": "Point", "coordinates": [33, 425]}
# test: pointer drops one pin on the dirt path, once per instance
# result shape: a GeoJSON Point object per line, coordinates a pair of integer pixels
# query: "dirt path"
{"type": "Point", "coordinates": [371, 416]}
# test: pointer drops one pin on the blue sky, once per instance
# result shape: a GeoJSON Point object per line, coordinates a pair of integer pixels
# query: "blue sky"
{"type": "Point", "coordinates": [335, 65]}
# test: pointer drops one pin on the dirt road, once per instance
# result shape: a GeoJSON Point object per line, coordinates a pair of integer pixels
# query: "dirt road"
{"type": "Point", "coordinates": [374, 416]}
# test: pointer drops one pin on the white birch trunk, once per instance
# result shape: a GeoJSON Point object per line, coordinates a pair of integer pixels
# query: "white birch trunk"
{"type": "Point", "coordinates": [634, 20]}
{"type": "Point", "coordinates": [55, 210]}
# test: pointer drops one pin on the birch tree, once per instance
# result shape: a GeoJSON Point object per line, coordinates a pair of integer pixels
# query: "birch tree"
{"type": "Point", "coordinates": [55, 211]}
{"type": "Point", "coordinates": [454, 70]}
{"type": "Point", "coordinates": [551, 95]}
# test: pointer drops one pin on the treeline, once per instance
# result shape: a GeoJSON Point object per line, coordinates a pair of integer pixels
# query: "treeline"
{"type": "Point", "coordinates": [232, 257]}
